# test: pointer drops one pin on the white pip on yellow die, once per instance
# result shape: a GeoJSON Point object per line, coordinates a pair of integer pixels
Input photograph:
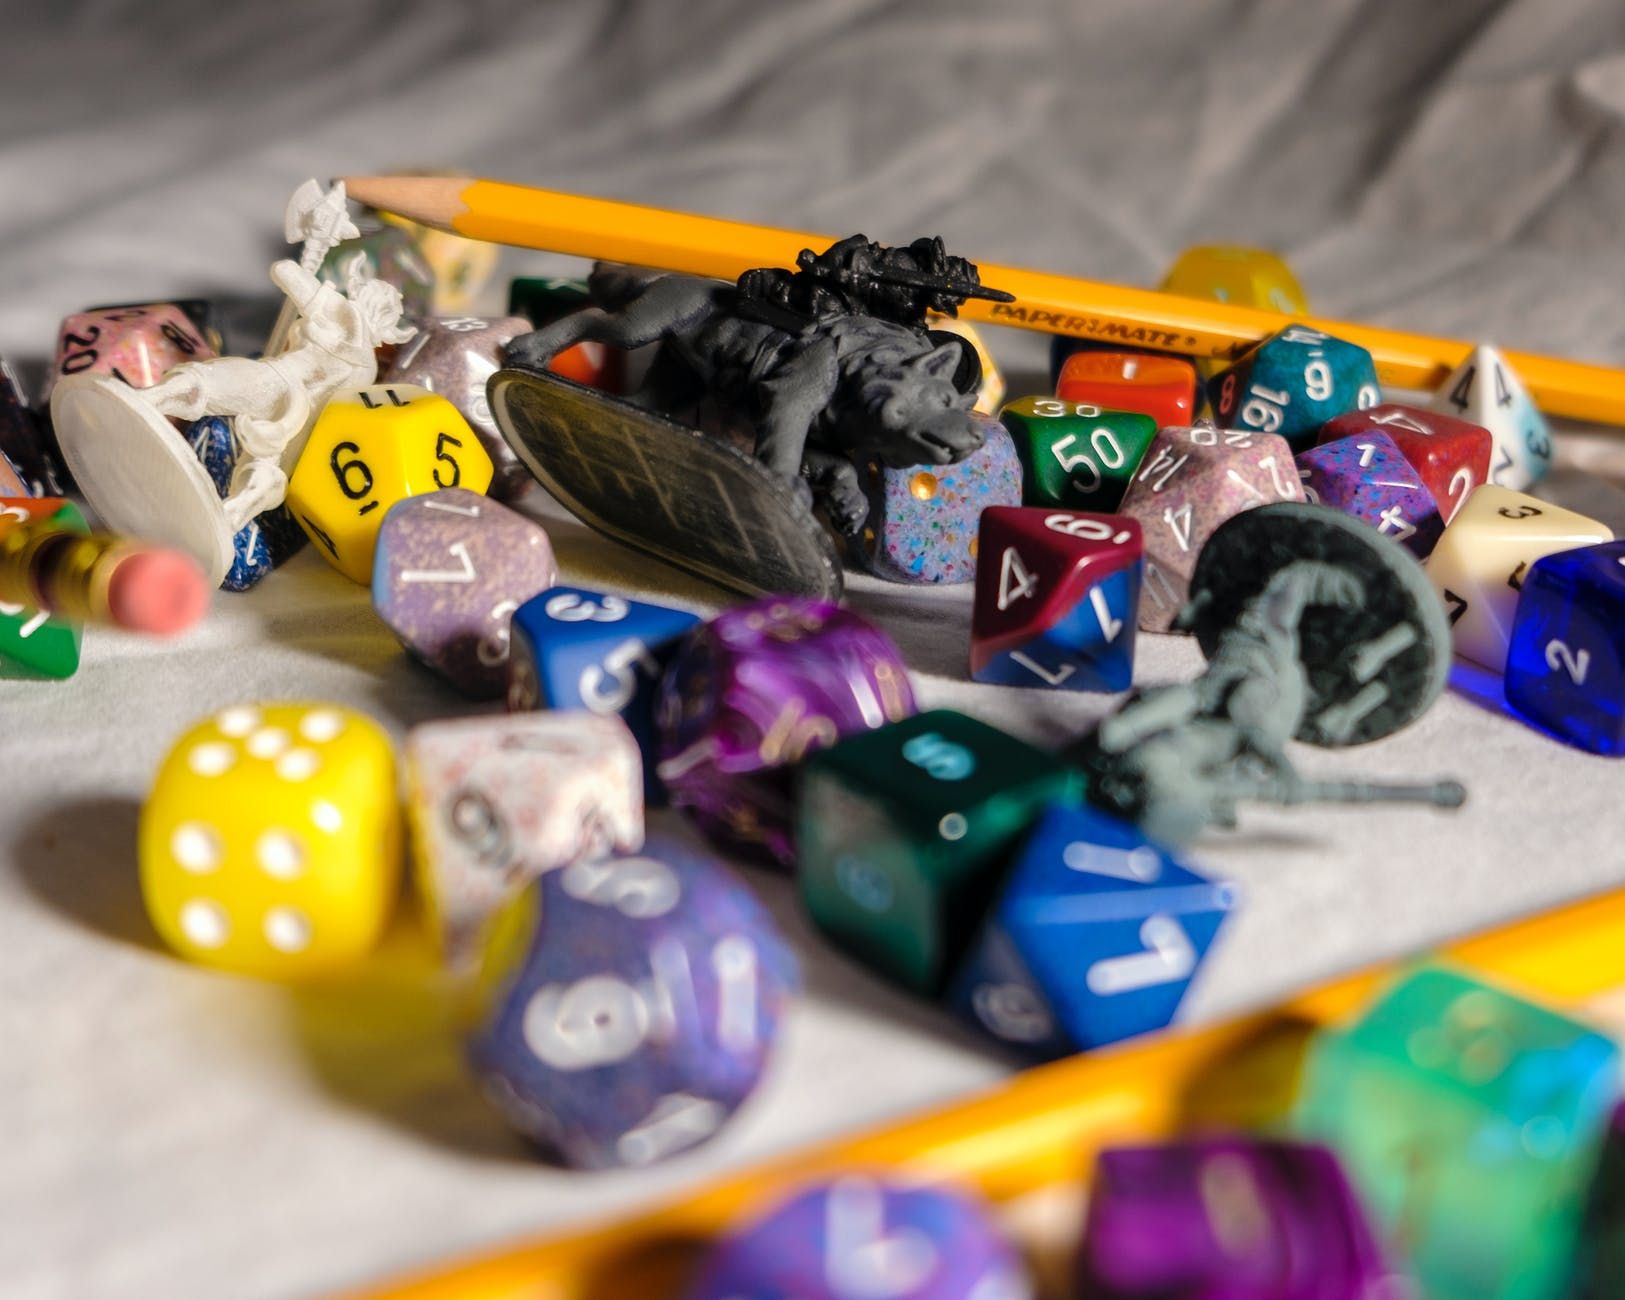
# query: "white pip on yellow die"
{"type": "Point", "coordinates": [270, 843]}
{"type": "Point", "coordinates": [495, 801]}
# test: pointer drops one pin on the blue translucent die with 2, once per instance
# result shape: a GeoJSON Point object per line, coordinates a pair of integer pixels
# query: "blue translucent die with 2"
{"type": "Point", "coordinates": [1090, 649]}
{"type": "Point", "coordinates": [1292, 383]}
{"type": "Point", "coordinates": [1095, 937]}
{"type": "Point", "coordinates": [262, 543]}
{"type": "Point", "coordinates": [1566, 665]}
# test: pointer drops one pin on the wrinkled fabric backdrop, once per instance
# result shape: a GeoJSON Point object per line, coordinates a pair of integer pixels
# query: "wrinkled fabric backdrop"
{"type": "Point", "coordinates": [1456, 167]}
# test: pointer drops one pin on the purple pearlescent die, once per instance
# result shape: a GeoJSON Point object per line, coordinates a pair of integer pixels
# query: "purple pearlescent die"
{"type": "Point", "coordinates": [858, 1237]}
{"type": "Point", "coordinates": [631, 1005]}
{"type": "Point", "coordinates": [450, 569]}
{"type": "Point", "coordinates": [753, 692]}
{"type": "Point", "coordinates": [1227, 1219]}
{"type": "Point", "coordinates": [1367, 476]}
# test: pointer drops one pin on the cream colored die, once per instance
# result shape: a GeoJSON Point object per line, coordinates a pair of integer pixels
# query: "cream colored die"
{"type": "Point", "coordinates": [271, 841]}
{"type": "Point", "coordinates": [1479, 564]}
{"type": "Point", "coordinates": [495, 801]}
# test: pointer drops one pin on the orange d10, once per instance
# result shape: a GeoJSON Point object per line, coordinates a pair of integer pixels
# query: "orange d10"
{"type": "Point", "coordinates": [1162, 387]}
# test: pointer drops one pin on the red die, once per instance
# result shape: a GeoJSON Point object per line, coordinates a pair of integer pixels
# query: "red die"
{"type": "Point", "coordinates": [1452, 456]}
{"type": "Point", "coordinates": [1162, 387]}
{"type": "Point", "coordinates": [135, 344]}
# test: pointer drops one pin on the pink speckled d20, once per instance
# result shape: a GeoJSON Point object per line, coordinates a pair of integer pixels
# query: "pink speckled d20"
{"type": "Point", "coordinates": [135, 344]}
{"type": "Point", "coordinates": [1191, 480]}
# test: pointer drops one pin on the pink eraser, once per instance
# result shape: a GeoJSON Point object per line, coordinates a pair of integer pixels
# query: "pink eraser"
{"type": "Point", "coordinates": [157, 591]}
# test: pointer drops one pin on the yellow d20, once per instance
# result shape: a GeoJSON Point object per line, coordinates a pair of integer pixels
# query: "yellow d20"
{"type": "Point", "coordinates": [1234, 273]}
{"type": "Point", "coordinates": [370, 448]}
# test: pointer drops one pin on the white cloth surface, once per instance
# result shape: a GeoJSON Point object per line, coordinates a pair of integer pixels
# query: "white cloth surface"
{"type": "Point", "coordinates": [1454, 167]}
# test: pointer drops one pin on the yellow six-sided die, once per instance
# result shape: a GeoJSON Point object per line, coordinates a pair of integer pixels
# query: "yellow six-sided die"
{"type": "Point", "coordinates": [270, 843]}
{"type": "Point", "coordinates": [370, 448]}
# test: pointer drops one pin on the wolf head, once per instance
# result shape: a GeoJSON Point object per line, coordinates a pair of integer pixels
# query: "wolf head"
{"type": "Point", "coordinates": [905, 407]}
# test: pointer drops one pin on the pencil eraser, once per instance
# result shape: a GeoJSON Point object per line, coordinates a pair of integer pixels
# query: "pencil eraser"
{"type": "Point", "coordinates": [157, 591]}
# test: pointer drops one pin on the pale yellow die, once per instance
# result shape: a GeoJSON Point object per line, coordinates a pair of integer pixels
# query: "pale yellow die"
{"type": "Point", "coordinates": [990, 392]}
{"type": "Point", "coordinates": [1481, 559]}
{"type": "Point", "coordinates": [462, 267]}
{"type": "Point", "coordinates": [271, 840]}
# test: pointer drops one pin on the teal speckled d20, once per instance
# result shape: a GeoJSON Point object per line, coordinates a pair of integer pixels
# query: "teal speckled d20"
{"type": "Point", "coordinates": [1292, 383]}
{"type": "Point", "coordinates": [1469, 1120]}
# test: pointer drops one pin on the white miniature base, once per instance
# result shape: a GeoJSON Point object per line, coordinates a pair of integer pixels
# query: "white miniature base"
{"type": "Point", "coordinates": [137, 471]}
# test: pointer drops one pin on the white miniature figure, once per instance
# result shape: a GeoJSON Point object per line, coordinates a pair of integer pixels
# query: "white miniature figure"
{"type": "Point", "coordinates": [143, 479]}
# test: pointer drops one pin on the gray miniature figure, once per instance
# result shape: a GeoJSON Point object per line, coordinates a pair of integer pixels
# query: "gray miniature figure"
{"type": "Point", "coordinates": [1316, 628]}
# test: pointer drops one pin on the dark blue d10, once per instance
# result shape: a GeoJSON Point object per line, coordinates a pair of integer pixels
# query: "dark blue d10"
{"type": "Point", "coordinates": [1096, 937]}
{"type": "Point", "coordinates": [1566, 665]}
{"type": "Point", "coordinates": [262, 543]}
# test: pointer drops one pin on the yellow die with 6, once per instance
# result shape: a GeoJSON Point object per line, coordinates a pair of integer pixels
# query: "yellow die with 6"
{"type": "Point", "coordinates": [270, 843]}
{"type": "Point", "coordinates": [370, 448]}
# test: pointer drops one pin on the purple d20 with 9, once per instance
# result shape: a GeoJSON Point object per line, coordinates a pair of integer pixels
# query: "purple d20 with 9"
{"type": "Point", "coordinates": [753, 692]}
{"type": "Point", "coordinates": [859, 1238]}
{"type": "Point", "coordinates": [630, 1005]}
{"type": "Point", "coordinates": [1227, 1219]}
{"type": "Point", "coordinates": [450, 570]}
{"type": "Point", "coordinates": [1367, 476]}
{"type": "Point", "coordinates": [923, 518]}
{"type": "Point", "coordinates": [262, 543]}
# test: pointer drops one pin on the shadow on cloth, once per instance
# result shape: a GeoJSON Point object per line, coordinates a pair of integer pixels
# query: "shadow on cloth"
{"type": "Point", "coordinates": [79, 859]}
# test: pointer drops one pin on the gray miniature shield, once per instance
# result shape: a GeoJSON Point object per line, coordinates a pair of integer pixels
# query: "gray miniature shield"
{"type": "Point", "coordinates": [661, 487]}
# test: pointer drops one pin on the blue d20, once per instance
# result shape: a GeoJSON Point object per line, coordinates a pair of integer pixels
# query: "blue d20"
{"type": "Point", "coordinates": [1096, 936]}
{"type": "Point", "coordinates": [262, 543]}
{"type": "Point", "coordinates": [1566, 665]}
{"type": "Point", "coordinates": [574, 648]}
{"type": "Point", "coordinates": [1367, 476]}
{"type": "Point", "coordinates": [1292, 383]}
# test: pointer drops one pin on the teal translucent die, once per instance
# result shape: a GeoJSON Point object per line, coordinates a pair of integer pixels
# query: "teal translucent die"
{"type": "Point", "coordinates": [1292, 383]}
{"type": "Point", "coordinates": [1470, 1122]}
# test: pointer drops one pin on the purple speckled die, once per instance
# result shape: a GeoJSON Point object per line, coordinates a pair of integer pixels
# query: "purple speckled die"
{"type": "Point", "coordinates": [922, 519]}
{"type": "Point", "coordinates": [857, 1238]}
{"type": "Point", "coordinates": [454, 356]}
{"type": "Point", "coordinates": [1227, 1219]}
{"type": "Point", "coordinates": [1367, 476]}
{"type": "Point", "coordinates": [630, 1005]}
{"type": "Point", "coordinates": [753, 692]}
{"type": "Point", "coordinates": [450, 569]}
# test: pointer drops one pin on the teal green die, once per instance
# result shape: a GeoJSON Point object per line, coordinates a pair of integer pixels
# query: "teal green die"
{"type": "Point", "coordinates": [902, 832]}
{"type": "Point", "coordinates": [32, 645]}
{"type": "Point", "coordinates": [1074, 455]}
{"type": "Point", "coordinates": [1470, 1121]}
{"type": "Point", "coordinates": [1292, 383]}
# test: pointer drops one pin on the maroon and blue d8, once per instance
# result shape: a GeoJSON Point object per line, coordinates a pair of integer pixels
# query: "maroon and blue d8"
{"type": "Point", "coordinates": [1367, 476]}
{"type": "Point", "coordinates": [856, 1238]}
{"type": "Point", "coordinates": [630, 1005]}
{"type": "Point", "coordinates": [1566, 665]}
{"type": "Point", "coordinates": [1095, 937]}
{"type": "Point", "coordinates": [752, 693]}
{"type": "Point", "coordinates": [573, 648]}
{"type": "Point", "coordinates": [1292, 383]}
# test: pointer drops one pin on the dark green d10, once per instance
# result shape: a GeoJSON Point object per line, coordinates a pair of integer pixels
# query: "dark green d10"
{"type": "Point", "coordinates": [902, 834]}
{"type": "Point", "coordinates": [1074, 455]}
{"type": "Point", "coordinates": [32, 645]}
{"type": "Point", "coordinates": [544, 298]}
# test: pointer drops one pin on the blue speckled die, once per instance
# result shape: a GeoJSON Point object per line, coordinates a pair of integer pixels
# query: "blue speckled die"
{"type": "Point", "coordinates": [923, 519]}
{"type": "Point", "coordinates": [1292, 383]}
{"type": "Point", "coordinates": [262, 543]}
{"type": "Point", "coordinates": [629, 1005]}
{"type": "Point", "coordinates": [1367, 476]}
{"type": "Point", "coordinates": [857, 1238]}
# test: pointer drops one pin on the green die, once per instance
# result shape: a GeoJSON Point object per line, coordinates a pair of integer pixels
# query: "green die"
{"type": "Point", "coordinates": [1469, 1119]}
{"type": "Point", "coordinates": [541, 299]}
{"type": "Point", "coordinates": [902, 832]}
{"type": "Point", "coordinates": [1073, 455]}
{"type": "Point", "coordinates": [32, 645]}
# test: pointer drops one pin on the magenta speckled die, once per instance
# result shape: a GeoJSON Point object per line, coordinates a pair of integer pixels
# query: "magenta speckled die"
{"type": "Point", "coordinates": [1367, 476]}
{"type": "Point", "coordinates": [450, 569]}
{"type": "Point", "coordinates": [923, 519]}
{"type": "Point", "coordinates": [629, 1005]}
{"type": "Point", "coordinates": [1191, 481]}
{"type": "Point", "coordinates": [496, 801]}
{"type": "Point", "coordinates": [454, 356]}
{"type": "Point", "coordinates": [753, 692]}
{"type": "Point", "coordinates": [135, 344]}
{"type": "Point", "coordinates": [858, 1238]}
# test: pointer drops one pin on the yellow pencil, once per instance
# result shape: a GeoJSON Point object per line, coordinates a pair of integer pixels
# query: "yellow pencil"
{"type": "Point", "coordinates": [1040, 1128]}
{"type": "Point", "coordinates": [1059, 304]}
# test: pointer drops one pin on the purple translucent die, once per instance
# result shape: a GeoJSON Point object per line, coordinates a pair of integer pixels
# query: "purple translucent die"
{"type": "Point", "coordinates": [753, 692]}
{"type": "Point", "coordinates": [923, 519]}
{"type": "Point", "coordinates": [857, 1238]}
{"type": "Point", "coordinates": [630, 1005]}
{"type": "Point", "coordinates": [1367, 476]}
{"type": "Point", "coordinates": [1226, 1219]}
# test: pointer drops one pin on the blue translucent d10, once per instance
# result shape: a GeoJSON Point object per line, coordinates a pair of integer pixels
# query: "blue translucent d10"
{"type": "Point", "coordinates": [1292, 383]}
{"type": "Point", "coordinates": [1469, 1120]}
{"type": "Point", "coordinates": [1566, 665]}
{"type": "Point", "coordinates": [1095, 937]}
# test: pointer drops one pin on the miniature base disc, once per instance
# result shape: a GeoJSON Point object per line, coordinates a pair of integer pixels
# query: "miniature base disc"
{"type": "Point", "coordinates": [1246, 551]}
{"type": "Point", "coordinates": [137, 471]}
{"type": "Point", "coordinates": [664, 488]}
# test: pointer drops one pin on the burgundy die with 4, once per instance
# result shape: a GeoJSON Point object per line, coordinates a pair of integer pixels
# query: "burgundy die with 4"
{"type": "Point", "coordinates": [1366, 476]}
{"type": "Point", "coordinates": [1451, 455]}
